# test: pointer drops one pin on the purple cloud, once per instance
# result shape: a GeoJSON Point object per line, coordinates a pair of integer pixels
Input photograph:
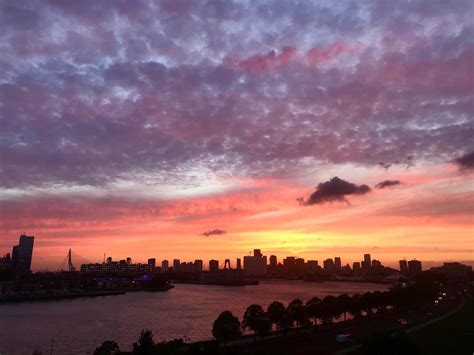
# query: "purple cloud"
{"type": "Point", "coordinates": [335, 190]}
{"type": "Point", "coordinates": [466, 161]}
{"type": "Point", "coordinates": [92, 93]}
{"type": "Point", "coordinates": [213, 232]}
{"type": "Point", "coordinates": [387, 183]}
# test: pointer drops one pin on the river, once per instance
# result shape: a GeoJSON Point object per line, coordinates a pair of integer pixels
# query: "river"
{"type": "Point", "coordinates": [78, 326]}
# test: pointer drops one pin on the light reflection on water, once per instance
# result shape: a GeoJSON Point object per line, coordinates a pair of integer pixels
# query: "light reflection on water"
{"type": "Point", "coordinates": [78, 326]}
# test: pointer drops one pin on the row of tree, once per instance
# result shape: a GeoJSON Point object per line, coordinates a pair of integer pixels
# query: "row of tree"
{"type": "Point", "coordinates": [316, 311]}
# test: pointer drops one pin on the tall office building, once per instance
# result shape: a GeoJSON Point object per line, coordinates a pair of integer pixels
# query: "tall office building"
{"type": "Point", "coordinates": [356, 266]}
{"type": "Point", "coordinates": [403, 267]}
{"type": "Point", "coordinates": [273, 260]}
{"type": "Point", "coordinates": [198, 265]}
{"type": "Point", "coordinates": [176, 264]}
{"type": "Point", "coordinates": [367, 263]}
{"type": "Point", "coordinates": [165, 265]}
{"type": "Point", "coordinates": [337, 263]}
{"type": "Point", "coordinates": [255, 265]}
{"type": "Point", "coordinates": [414, 267]}
{"type": "Point", "coordinates": [311, 266]}
{"type": "Point", "coordinates": [22, 254]}
{"type": "Point", "coordinates": [329, 265]}
{"type": "Point", "coordinates": [152, 264]}
{"type": "Point", "coordinates": [239, 264]}
{"type": "Point", "coordinates": [213, 265]}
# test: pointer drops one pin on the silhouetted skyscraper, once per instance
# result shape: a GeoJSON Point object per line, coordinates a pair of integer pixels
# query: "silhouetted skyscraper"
{"type": "Point", "coordinates": [176, 264]}
{"type": "Point", "coordinates": [239, 264]}
{"type": "Point", "coordinates": [255, 265]}
{"type": "Point", "coordinates": [152, 264]}
{"type": "Point", "coordinates": [165, 265]}
{"type": "Point", "coordinates": [414, 267]}
{"type": "Point", "coordinates": [213, 265]}
{"type": "Point", "coordinates": [367, 263]}
{"type": "Point", "coordinates": [328, 265]}
{"type": "Point", "coordinates": [337, 263]}
{"type": "Point", "coordinates": [403, 267]}
{"type": "Point", "coordinates": [273, 260]}
{"type": "Point", "coordinates": [198, 265]}
{"type": "Point", "coordinates": [22, 254]}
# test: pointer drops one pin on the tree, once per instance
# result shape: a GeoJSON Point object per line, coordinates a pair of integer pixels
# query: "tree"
{"type": "Point", "coordinates": [145, 344]}
{"type": "Point", "coordinates": [355, 306]}
{"type": "Point", "coordinates": [313, 309]}
{"type": "Point", "coordinates": [343, 304]}
{"type": "Point", "coordinates": [276, 311]}
{"type": "Point", "coordinates": [256, 320]}
{"type": "Point", "coordinates": [329, 309]}
{"type": "Point", "coordinates": [108, 347]}
{"type": "Point", "coordinates": [368, 302]}
{"type": "Point", "coordinates": [297, 311]}
{"type": "Point", "coordinates": [226, 326]}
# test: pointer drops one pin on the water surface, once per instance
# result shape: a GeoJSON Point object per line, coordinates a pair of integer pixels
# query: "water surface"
{"type": "Point", "coordinates": [78, 326]}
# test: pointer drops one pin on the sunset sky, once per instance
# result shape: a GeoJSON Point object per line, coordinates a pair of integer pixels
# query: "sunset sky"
{"type": "Point", "coordinates": [205, 129]}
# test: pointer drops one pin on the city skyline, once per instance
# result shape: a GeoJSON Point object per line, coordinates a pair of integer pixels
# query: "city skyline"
{"type": "Point", "coordinates": [217, 263]}
{"type": "Point", "coordinates": [204, 129]}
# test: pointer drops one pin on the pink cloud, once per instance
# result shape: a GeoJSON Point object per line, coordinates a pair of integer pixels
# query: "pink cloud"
{"type": "Point", "coordinates": [274, 60]}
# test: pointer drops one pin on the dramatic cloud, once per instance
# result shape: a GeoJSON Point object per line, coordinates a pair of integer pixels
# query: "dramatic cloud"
{"type": "Point", "coordinates": [213, 232]}
{"type": "Point", "coordinates": [335, 190]}
{"type": "Point", "coordinates": [130, 117]}
{"type": "Point", "coordinates": [387, 183]}
{"type": "Point", "coordinates": [99, 93]}
{"type": "Point", "coordinates": [466, 162]}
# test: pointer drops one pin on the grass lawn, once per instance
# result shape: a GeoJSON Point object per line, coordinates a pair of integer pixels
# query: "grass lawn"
{"type": "Point", "coordinates": [453, 335]}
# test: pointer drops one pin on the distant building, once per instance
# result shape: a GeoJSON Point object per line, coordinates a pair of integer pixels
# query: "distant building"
{"type": "Point", "coordinates": [122, 266]}
{"type": "Point", "coordinates": [164, 265]}
{"type": "Point", "coordinates": [414, 267]}
{"type": "Point", "coordinates": [213, 265]}
{"type": "Point", "coordinates": [198, 265]}
{"type": "Point", "coordinates": [403, 267]}
{"type": "Point", "coordinates": [239, 264]}
{"type": "Point", "coordinates": [255, 265]}
{"type": "Point", "coordinates": [176, 264]}
{"type": "Point", "coordinates": [273, 261]}
{"type": "Point", "coordinates": [311, 266]}
{"type": "Point", "coordinates": [5, 262]}
{"type": "Point", "coordinates": [376, 265]}
{"type": "Point", "coordinates": [356, 266]}
{"type": "Point", "coordinates": [22, 254]}
{"type": "Point", "coordinates": [367, 264]}
{"type": "Point", "coordinates": [454, 272]}
{"type": "Point", "coordinates": [337, 263]}
{"type": "Point", "coordinates": [152, 263]}
{"type": "Point", "coordinates": [129, 260]}
{"type": "Point", "coordinates": [329, 265]}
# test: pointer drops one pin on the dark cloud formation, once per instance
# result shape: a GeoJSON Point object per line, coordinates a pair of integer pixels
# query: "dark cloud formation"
{"type": "Point", "coordinates": [387, 183]}
{"type": "Point", "coordinates": [213, 232]}
{"type": "Point", "coordinates": [335, 190]}
{"type": "Point", "coordinates": [466, 162]}
{"type": "Point", "coordinates": [97, 92]}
